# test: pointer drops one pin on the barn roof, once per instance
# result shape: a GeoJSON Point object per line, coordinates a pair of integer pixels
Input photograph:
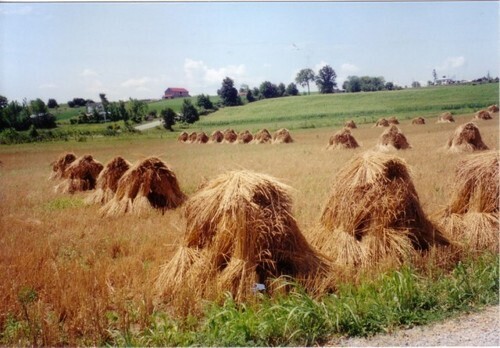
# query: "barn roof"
{"type": "Point", "coordinates": [175, 89]}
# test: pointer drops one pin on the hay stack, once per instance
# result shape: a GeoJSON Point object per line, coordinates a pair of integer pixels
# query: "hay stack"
{"type": "Point", "coordinates": [240, 231]}
{"type": "Point", "coordinates": [192, 138]}
{"type": "Point", "coordinates": [471, 217]}
{"type": "Point", "coordinates": [245, 137]}
{"type": "Point", "coordinates": [418, 120]}
{"type": "Point", "coordinates": [493, 108]}
{"type": "Point", "coordinates": [393, 120]}
{"type": "Point", "coordinates": [446, 117]}
{"type": "Point", "coordinates": [201, 138]}
{"type": "Point", "coordinates": [343, 139]}
{"type": "Point", "coordinates": [59, 166]}
{"type": "Point", "coordinates": [80, 175]}
{"type": "Point", "coordinates": [482, 115]}
{"type": "Point", "coordinates": [350, 124]}
{"type": "Point", "coordinates": [466, 138]}
{"type": "Point", "coordinates": [148, 184]}
{"type": "Point", "coordinates": [230, 136]}
{"type": "Point", "coordinates": [217, 137]}
{"type": "Point", "coordinates": [373, 214]}
{"type": "Point", "coordinates": [393, 138]}
{"type": "Point", "coordinates": [282, 136]}
{"type": "Point", "coordinates": [183, 137]}
{"type": "Point", "coordinates": [262, 137]}
{"type": "Point", "coordinates": [382, 122]}
{"type": "Point", "coordinates": [107, 181]}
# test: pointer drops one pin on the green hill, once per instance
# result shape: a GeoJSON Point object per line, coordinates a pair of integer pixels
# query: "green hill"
{"type": "Point", "coordinates": [318, 110]}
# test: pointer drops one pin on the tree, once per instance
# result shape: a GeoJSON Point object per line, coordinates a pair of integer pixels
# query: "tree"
{"type": "Point", "coordinates": [256, 93]}
{"type": "Point", "coordinates": [304, 77]}
{"type": "Point", "coordinates": [415, 84]}
{"type": "Point", "coordinates": [352, 84]}
{"type": "Point", "coordinates": [268, 90]}
{"type": "Point", "coordinates": [3, 102]}
{"type": "Point", "coordinates": [189, 112]}
{"type": "Point", "coordinates": [250, 96]}
{"type": "Point", "coordinates": [228, 94]}
{"type": "Point", "coordinates": [434, 75]}
{"type": "Point", "coordinates": [137, 109]}
{"type": "Point", "coordinates": [389, 86]}
{"type": "Point", "coordinates": [291, 89]}
{"type": "Point", "coordinates": [204, 102]}
{"type": "Point", "coordinates": [325, 80]}
{"type": "Point", "coordinates": [281, 90]}
{"type": "Point", "coordinates": [168, 115]}
{"type": "Point", "coordinates": [52, 104]}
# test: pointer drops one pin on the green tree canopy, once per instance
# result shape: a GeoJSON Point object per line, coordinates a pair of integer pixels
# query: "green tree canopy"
{"type": "Point", "coordinates": [305, 76]}
{"type": "Point", "coordinates": [189, 112]}
{"type": "Point", "coordinates": [168, 115]}
{"type": "Point", "coordinates": [228, 94]}
{"type": "Point", "coordinates": [325, 80]}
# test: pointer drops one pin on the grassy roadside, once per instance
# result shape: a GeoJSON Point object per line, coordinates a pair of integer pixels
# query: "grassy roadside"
{"type": "Point", "coordinates": [400, 298]}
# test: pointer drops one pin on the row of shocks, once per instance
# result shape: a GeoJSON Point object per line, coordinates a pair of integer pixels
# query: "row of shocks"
{"type": "Point", "coordinates": [281, 136]}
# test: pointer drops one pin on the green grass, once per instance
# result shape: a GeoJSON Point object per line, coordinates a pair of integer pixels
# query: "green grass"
{"type": "Point", "coordinates": [316, 111]}
{"type": "Point", "coordinates": [396, 299]}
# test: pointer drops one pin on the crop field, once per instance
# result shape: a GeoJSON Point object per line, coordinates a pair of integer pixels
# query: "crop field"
{"type": "Point", "coordinates": [71, 277]}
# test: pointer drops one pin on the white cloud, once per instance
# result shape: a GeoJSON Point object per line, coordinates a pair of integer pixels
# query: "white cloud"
{"type": "Point", "coordinates": [199, 75]}
{"type": "Point", "coordinates": [137, 83]}
{"type": "Point", "coordinates": [320, 65]}
{"type": "Point", "coordinates": [20, 11]}
{"type": "Point", "coordinates": [348, 68]}
{"type": "Point", "coordinates": [88, 73]}
{"type": "Point", "coordinates": [452, 63]}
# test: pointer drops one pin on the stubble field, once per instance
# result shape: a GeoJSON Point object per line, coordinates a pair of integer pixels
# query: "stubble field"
{"type": "Point", "coordinates": [76, 275]}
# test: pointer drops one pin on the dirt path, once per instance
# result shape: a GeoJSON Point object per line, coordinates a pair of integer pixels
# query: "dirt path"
{"type": "Point", "coordinates": [473, 329]}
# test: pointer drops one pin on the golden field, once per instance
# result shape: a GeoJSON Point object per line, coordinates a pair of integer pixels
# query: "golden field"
{"type": "Point", "coordinates": [91, 273]}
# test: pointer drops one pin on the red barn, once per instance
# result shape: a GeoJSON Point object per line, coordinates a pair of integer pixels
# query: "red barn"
{"type": "Point", "coordinates": [171, 93]}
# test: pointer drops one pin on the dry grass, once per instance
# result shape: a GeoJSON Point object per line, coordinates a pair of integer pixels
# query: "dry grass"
{"type": "Point", "coordinates": [471, 216]}
{"type": "Point", "coordinates": [183, 137]}
{"type": "Point", "coordinates": [466, 138]}
{"type": "Point", "coordinates": [80, 175]}
{"type": "Point", "coordinates": [230, 136]}
{"type": "Point", "coordinates": [148, 184]}
{"type": "Point", "coordinates": [393, 138]}
{"type": "Point", "coordinates": [94, 274]}
{"type": "Point", "coordinates": [240, 231]}
{"type": "Point", "coordinates": [393, 120]}
{"type": "Point", "coordinates": [192, 137]}
{"type": "Point", "coordinates": [493, 108]}
{"type": "Point", "coordinates": [107, 181]}
{"type": "Point", "coordinates": [343, 139]}
{"type": "Point", "coordinates": [373, 214]}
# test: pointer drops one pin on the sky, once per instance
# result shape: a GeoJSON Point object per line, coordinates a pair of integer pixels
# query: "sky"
{"type": "Point", "coordinates": [137, 50]}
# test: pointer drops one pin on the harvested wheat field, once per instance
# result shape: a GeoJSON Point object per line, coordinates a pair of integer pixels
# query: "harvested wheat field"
{"type": "Point", "coordinates": [471, 216]}
{"type": "Point", "coordinates": [107, 181]}
{"type": "Point", "coordinates": [466, 138]}
{"type": "Point", "coordinates": [92, 276]}
{"type": "Point", "coordinates": [240, 231]}
{"type": "Point", "coordinates": [482, 115]}
{"type": "Point", "coordinates": [59, 166]}
{"type": "Point", "coordinates": [343, 139]}
{"type": "Point", "coordinates": [80, 175]}
{"type": "Point", "coordinates": [373, 214]}
{"type": "Point", "coordinates": [148, 184]}
{"type": "Point", "coordinates": [393, 138]}
{"type": "Point", "coordinates": [445, 117]}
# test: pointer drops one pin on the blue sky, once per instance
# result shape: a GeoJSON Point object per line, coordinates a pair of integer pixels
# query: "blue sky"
{"type": "Point", "coordinates": [67, 50]}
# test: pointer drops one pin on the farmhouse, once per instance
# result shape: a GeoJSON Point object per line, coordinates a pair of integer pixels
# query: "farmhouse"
{"type": "Point", "coordinates": [171, 93]}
